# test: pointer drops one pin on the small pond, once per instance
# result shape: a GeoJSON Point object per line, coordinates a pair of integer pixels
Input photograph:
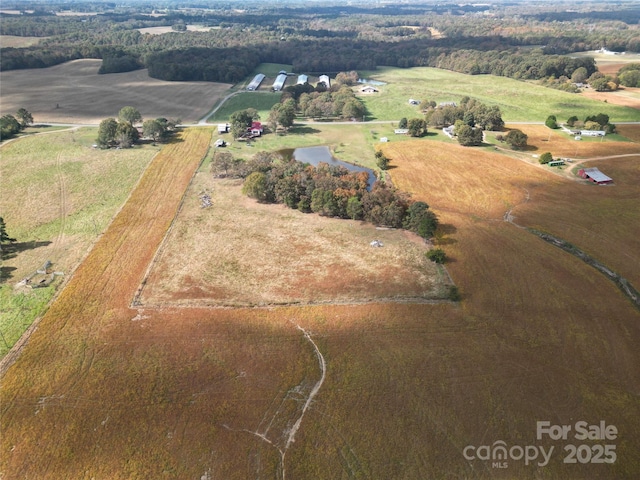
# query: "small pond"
{"type": "Point", "coordinates": [317, 155]}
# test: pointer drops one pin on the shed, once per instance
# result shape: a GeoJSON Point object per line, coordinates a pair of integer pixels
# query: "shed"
{"type": "Point", "coordinates": [556, 163]}
{"type": "Point", "coordinates": [223, 128]}
{"type": "Point", "coordinates": [401, 131]}
{"type": "Point", "coordinates": [595, 175]}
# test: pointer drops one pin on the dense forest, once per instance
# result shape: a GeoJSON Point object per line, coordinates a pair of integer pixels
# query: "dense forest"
{"type": "Point", "coordinates": [511, 39]}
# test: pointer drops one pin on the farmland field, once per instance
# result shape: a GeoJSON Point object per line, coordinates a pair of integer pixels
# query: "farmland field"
{"type": "Point", "coordinates": [192, 392]}
{"type": "Point", "coordinates": [241, 253]}
{"type": "Point", "coordinates": [58, 196]}
{"type": "Point", "coordinates": [518, 101]}
{"type": "Point", "coordinates": [173, 388]}
{"type": "Point", "coordinates": [73, 92]}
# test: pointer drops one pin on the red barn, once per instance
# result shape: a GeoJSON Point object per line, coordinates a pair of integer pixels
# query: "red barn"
{"type": "Point", "coordinates": [595, 175]}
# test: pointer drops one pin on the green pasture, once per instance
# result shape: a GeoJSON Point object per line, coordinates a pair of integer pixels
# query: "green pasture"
{"type": "Point", "coordinates": [261, 101]}
{"type": "Point", "coordinates": [519, 101]}
{"type": "Point", "coordinates": [271, 69]}
{"type": "Point", "coordinates": [58, 194]}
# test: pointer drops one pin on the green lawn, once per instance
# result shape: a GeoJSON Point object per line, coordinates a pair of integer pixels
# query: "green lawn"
{"type": "Point", "coordinates": [519, 101]}
{"type": "Point", "coordinates": [261, 101]}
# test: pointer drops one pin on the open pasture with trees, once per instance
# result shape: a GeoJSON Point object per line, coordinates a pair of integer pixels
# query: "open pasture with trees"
{"type": "Point", "coordinates": [561, 144]}
{"type": "Point", "coordinates": [58, 196]}
{"type": "Point", "coordinates": [242, 253]}
{"type": "Point", "coordinates": [73, 92]}
{"type": "Point", "coordinates": [393, 390]}
{"type": "Point", "coordinates": [518, 100]}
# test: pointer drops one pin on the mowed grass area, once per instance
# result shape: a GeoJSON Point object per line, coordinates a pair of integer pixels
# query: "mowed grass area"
{"type": "Point", "coordinates": [261, 101]}
{"type": "Point", "coordinates": [241, 253]}
{"type": "Point", "coordinates": [355, 144]}
{"type": "Point", "coordinates": [518, 101]}
{"type": "Point", "coordinates": [58, 196]}
{"type": "Point", "coordinates": [73, 92]}
{"type": "Point", "coordinates": [151, 393]}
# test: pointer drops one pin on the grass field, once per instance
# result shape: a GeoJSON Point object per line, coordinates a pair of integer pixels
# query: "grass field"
{"type": "Point", "coordinates": [224, 256]}
{"type": "Point", "coordinates": [73, 92]}
{"type": "Point", "coordinates": [11, 41]}
{"type": "Point", "coordinates": [261, 101]}
{"type": "Point", "coordinates": [518, 101]}
{"type": "Point", "coordinates": [58, 196]}
{"type": "Point", "coordinates": [108, 390]}
{"type": "Point", "coordinates": [214, 393]}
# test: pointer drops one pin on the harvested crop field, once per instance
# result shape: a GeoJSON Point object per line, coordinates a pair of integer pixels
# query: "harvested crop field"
{"type": "Point", "coordinates": [73, 92]}
{"type": "Point", "coordinates": [241, 253]}
{"type": "Point", "coordinates": [625, 96]}
{"type": "Point", "coordinates": [367, 391]}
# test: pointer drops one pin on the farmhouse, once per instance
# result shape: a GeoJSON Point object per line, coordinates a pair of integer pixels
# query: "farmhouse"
{"type": "Point", "coordinates": [279, 82]}
{"type": "Point", "coordinates": [595, 175]}
{"type": "Point", "coordinates": [255, 83]}
{"type": "Point", "coordinates": [593, 133]}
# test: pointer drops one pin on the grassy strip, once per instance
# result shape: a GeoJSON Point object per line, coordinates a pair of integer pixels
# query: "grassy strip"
{"type": "Point", "coordinates": [621, 282]}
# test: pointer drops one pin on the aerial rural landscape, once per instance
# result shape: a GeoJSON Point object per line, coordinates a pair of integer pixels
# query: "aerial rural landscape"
{"type": "Point", "coordinates": [301, 240]}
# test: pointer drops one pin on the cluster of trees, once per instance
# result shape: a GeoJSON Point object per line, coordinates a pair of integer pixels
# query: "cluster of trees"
{"type": "Point", "coordinates": [470, 111]}
{"type": "Point", "coordinates": [592, 122]}
{"type": "Point", "coordinates": [326, 190]}
{"type": "Point", "coordinates": [11, 125]}
{"type": "Point", "coordinates": [515, 138]}
{"type": "Point", "coordinates": [341, 103]}
{"type": "Point", "coordinates": [629, 75]}
{"type": "Point", "coordinates": [241, 120]}
{"type": "Point", "coordinates": [122, 132]}
{"type": "Point", "coordinates": [416, 127]}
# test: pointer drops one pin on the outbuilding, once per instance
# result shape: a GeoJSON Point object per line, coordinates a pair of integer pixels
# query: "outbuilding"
{"type": "Point", "coordinates": [595, 175]}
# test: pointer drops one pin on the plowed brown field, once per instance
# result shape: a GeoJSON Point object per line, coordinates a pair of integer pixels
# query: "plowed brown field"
{"type": "Point", "coordinates": [73, 92]}
{"type": "Point", "coordinates": [106, 391]}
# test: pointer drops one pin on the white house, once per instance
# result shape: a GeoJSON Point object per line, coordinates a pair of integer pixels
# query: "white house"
{"type": "Point", "coordinates": [593, 133]}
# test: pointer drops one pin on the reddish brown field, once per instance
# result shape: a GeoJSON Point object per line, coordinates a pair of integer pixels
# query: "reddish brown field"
{"type": "Point", "coordinates": [73, 92]}
{"type": "Point", "coordinates": [625, 96]}
{"type": "Point", "coordinates": [106, 391]}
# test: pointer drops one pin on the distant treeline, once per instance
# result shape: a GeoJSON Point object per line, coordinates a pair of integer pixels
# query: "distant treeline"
{"type": "Point", "coordinates": [321, 39]}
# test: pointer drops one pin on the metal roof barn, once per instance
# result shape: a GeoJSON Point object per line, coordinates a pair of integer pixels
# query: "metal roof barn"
{"type": "Point", "coordinates": [255, 83]}
{"type": "Point", "coordinates": [595, 176]}
{"type": "Point", "coordinates": [279, 83]}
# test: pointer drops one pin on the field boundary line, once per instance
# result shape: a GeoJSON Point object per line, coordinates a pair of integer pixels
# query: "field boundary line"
{"type": "Point", "coordinates": [135, 302]}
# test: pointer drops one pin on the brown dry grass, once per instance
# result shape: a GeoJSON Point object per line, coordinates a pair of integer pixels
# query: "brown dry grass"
{"type": "Point", "coordinates": [11, 41]}
{"type": "Point", "coordinates": [83, 96]}
{"type": "Point", "coordinates": [108, 392]}
{"type": "Point", "coordinates": [242, 253]}
{"type": "Point", "coordinates": [560, 144]}
{"type": "Point", "coordinates": [625, 96]}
